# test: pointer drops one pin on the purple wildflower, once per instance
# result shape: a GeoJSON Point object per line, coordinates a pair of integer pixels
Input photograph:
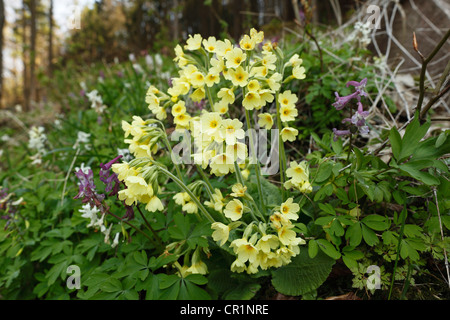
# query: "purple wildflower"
{"type": "Point", "coordinates": [339, 133]}
{"type": "Point", "coordinates": [86, 190]}
{"type": "Point", "coordinates": [341, 102]}
{"type": "Point", "coordinates": [359, 119]}
{"type": "Point", "coordinates": [360, 86]}
{"type": "Point", "coordinates": [129, 214]}
{"type": "Point", "coordinates": [109, 178]}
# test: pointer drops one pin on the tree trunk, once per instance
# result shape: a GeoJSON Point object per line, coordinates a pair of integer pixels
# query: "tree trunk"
{"type": "Point", "coordinates": [26, 88]}
{"type": "Point", "coordinates": [33, 50]}
{"type": "Point", "coordinates": [50, 39]}
{"type": "Point", "coordinates": [2, 24]}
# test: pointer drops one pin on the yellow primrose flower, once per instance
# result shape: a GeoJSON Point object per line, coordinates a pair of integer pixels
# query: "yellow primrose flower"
{"type": "Point", "coordinates": [138, 186]}
{"type": "Point", "coordinates": [299, 72]}
{"type": "Point", "coordinates": [247, 43]}
{"type": "Point", "coordinates": [226, 95]}
{"type": "Point", "coordinates": [210, 45]}
{"type": "Point", "coordinates": [238, 76]}
{"type": "Point", "coordinates": [154, 204]}
{"type": "Point", "coordinates": [274, 82]}
{"type": "Point", "coordinates": [288, 134]}
{"type": "Point", "coordinates": [289, 209]}
{"type": "Point", "coordinates": [298, 171]}
{"type": "Point", "coordinates": [287, 98]}
{"type": "Point", "coordinates": [238, 190]}
{"type": "Point", "coordinates": [288, 113]}
{"type": "Point", "coordinates": [198, 268]}
{"type": "Point", "coordinates": [198, 94]}
{"type": "Point", "coordinates": [245, 174]}
{"type": "Point", "coordinates": [238, 266]}
{"type": "Point", "coordinates": [217, 65]}
{"type": "Point", "coordinates": [288, 236]}
{"type": "Point", "coordinates": [217, 201]}
{"type": "Point", "coordinates": [178, 108]}
{"type": "Point", "coordinates": [259, 72]}
{"type": "Point", "coordinates": [190, 207]}
{"type": "Point", "coordinates": [221, 164]}
{"type": "Point", "coordinates": [220, 107]}
{"type": "Point", "coordinates": [265, 120]}
{"type": "Point", "coordinates": [197, 79]}
{"type": "Point", "coordinates": [234, 210]}
{"type": "Point", "coordinates": [278, 220]}
{"type": "Point", "coordinates": [234, 58]}
{"type": "Point", "coordinates": [270, 260]}
{"type": "Point", "coordinates": [268, 46]}
{"type": "Point", "coordinates": [182, 120]}
{"type": "Point", "coordinates": [253, 86]}
{"type": "Point", "coordinates": [221, 232]}
{"type": "Point", "coordinates": [223, 47]}
{"type": "Point", "coordinates": [258, 37]}
{"type": "Point", "coordinates": [179, 87]}
{"type": "Point", "coordinates": [269, 61]}
{"type": "Point", "coordinates": [252, 101]}
{"type": "Point", "coordinates": [267, 243]}
{"type": "Point", "coordinates": [232, 131]}
{"type": "Point", "coordinates": [122, 170]}
{"type": "Point", "coordinates": [211, 79]}
{"type": "Point", "coordinates": [181, 198]}
{"type": "Point", "coordinates": [193, 43]}
{"type": "Point", "coordinates": [237, 152]}
{"type": "Point", "coordinates": [266, 96]}
{"type": "Point", "coordinates": [211, 122]}
{"type": "Point", "coordinates": [160, 113]}
{"type": "Point", "coordinates": [294, 61]}
{"type": "Point", "coordinates": [245, 250]}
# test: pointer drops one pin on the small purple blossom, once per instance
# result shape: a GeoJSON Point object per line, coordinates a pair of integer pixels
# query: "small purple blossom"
{"type": "Point", "coordinates": [341, 102]}
{"type": "Point", "coordinates": [86, 190]}
{"type": "Point", "coordinates": [108, 178]}
{"type": "Point", "coordinates": [359, 118]}
{"type": "Point", "coordinates": [340, 133]}
{"type": "Point", "coordinates": [360, 86]}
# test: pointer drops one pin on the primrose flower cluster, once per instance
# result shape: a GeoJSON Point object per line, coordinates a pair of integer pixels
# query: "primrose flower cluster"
{"type": "Point", "coordinates": [263, 245]}
{"type": "Point", "coordinates": [215, 80]}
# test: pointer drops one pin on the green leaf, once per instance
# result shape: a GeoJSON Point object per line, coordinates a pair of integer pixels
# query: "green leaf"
{"type": "Point", "coordinates": [369, 236]}
{"type": "Point", "coordinates": [328, 248]}
{"type": "Point", "coordinates": [303, 274]}
{"type": "Point", "coordinates": [243, 291]}
{"type": "Point", "coordinates": [396, 142]}
{"type": "Point", "coordinates": [313, 248]}
{"type": "Point", "coordinates": [354, 234]}
{"type": "Point", "coordinates": [111, 285]}
{"type": "Point", "coordinates": [376, 222]}
{"type": "Point", "coordinates": [422, 176]}
{"type": "Point", "coordinates": [324, 172]}
{"type": "Point", "coordinates": [413, 134]}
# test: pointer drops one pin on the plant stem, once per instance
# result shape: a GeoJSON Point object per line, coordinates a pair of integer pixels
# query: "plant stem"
{"type": "Point", "coordinates": [255, 160]}
{"type": "Point", "coordinates": [177, 168]}
{"type": "Point", "coordinates": [150, 227]}
{"type": "Point", "coordinates": [181, 184]}
{"type": "Point", "coordinates": [205, 178]}
{"type": "Point", "coordinates": [404, 213]}
{"type": "Point", "coordinates": [425, 62]}
{"type": "Point", "coordinates": [281, 154]}
{"type": "Point", "coordinates": [442, 236]}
